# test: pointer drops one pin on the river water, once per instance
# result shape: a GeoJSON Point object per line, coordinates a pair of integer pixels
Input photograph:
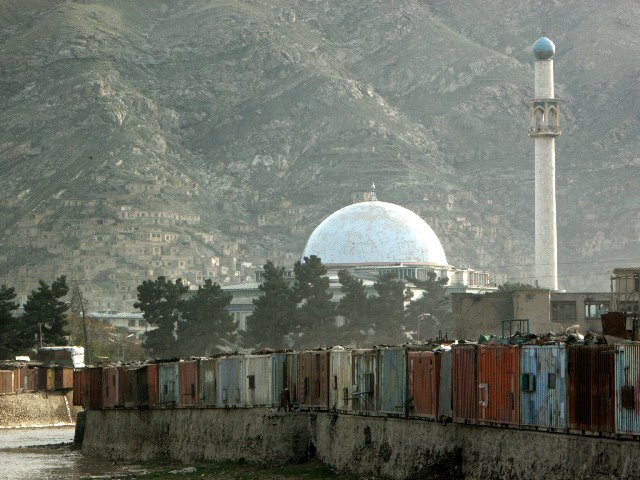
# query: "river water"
{"type": "Point", "coordinates": [39, 453]}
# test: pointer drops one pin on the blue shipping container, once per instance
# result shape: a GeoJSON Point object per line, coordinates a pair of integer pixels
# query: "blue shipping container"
{"type": "Point", "coordinates": [278, 376]}
{"type": "Point", "coordinates": [392, 392]}
{"type": "Point", "coordinates": [543, 386]}
{"type": "Point", "coordinates": [169, 384]}
{"type": "Point", "coordinates": [230, 381]}
{"type": "Point", "coordinates": [628, 388]}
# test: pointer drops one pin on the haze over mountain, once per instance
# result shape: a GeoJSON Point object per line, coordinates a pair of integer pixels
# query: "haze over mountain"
{"type": "Point", "coordinates": [146, 138]}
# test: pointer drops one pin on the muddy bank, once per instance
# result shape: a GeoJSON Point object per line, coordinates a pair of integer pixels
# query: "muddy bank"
{"type": "Point", "coordinates": [37, 409]}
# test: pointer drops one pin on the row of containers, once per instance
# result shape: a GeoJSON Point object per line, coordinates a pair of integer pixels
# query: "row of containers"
{"type": "Point", "coordinates": [32, 379]}
{"type": "Point", "coordinates": [574, 389]}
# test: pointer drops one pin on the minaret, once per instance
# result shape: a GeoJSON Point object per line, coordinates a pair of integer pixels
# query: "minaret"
{"type": "Point", "coordinates": [545, 127]}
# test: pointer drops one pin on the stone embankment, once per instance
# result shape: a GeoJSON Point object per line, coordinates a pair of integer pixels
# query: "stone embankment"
{"type": "Point", "coordinates": [37, 409]}
{"type": "Point", "coordinates": [367, 446]}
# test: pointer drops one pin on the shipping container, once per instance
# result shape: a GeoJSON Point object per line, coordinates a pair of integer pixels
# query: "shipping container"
{"type": "Point", "coordinates": [498, 384]}
{"type": "Point", "coordinates": [628, 388]}
{"type": "Point", "coordinates": [6, 381]}
{"type": "Point", "coordinates": [51, 378]}
{"type": "Point", "coordinates": [293, 376]}
{"type": "Point", "coordinates": [79, 387]}
{"type": "Point", "coordinates": [364, 375]}
{"type": "Point", "coordinates": [208, 381]}
{"type": "Point", "coordinates": [591, 373]}
{"type": "Point", "coordinates": [257, 378]}
{"type": "Point", "coordinates": [29, 379]}
{"type": "Point", "coordinates": [230, 381]}
{"type": "Point", "coordinates": [124, 390]}
{"type": "Point", "coordinates": [392, 393]}
{"type": "Point", "coordinates": [153, 384]}
{"type": "Point", "coordinates": [129, 393]}
{"type": "Point", "coordinates": [63, 378]}
{"type": "Point", "coordinates": [169, 377]}
{"type": "Point", "coordinates": [340, 380]}
{"type": "Point", "coordinates": [314, 379]}
{"type": "Point", "coordinates": [543, 386]}
{"type": "Point", "coordinates": [465, 383]}
{"type": "Point", "coordinates": [42, 378]}
{"type": "Point", "coordinates": [445, 401]}
{"type": "Point", "coordinates": [16, 379]}
{"type": "Point", "coordinates": [109, 387]}
{"type": "Point", "coordinates": [94, 388]}
{"type": "Point", "coordinates": [424, 383]}
{"type": "Point", "coordinates": [279, 379]}
{"type": "Point", "coordinates": [189, 379]}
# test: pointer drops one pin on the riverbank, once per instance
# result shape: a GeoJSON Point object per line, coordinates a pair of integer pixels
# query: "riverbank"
{"type": "Point", "coordinates": [37, 409]}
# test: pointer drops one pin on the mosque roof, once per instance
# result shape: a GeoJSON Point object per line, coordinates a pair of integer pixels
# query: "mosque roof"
{"type": "Point", "coordinates": [544, 49]}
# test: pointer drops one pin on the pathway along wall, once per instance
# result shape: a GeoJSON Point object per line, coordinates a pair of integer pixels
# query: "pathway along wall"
{"type": "Point", "coordinates": [366, 446]}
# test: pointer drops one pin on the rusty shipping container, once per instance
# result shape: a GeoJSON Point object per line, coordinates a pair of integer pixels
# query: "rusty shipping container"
{"type": "Point", "coordinates": [278, 377]}
{"type": "Point", "coordinates": [208, 381]}
{"type": "Point", "coordinates": [340, 380]}
{"type": "Point", "coordinates": [465, 383]}
{"type": "Point", "coordinates": [109, 387]}
{"type": "Point", "coordinates": [128, 392]}
{"type": "Point", "coordinates": [230, 381]}
{"type": "Point", "coordinates": [79, 388]}
{"type": "Point", "coordinates": [628, 388]}
{"type": "Point", "coordinates": [16, 379]}
{"type": "Point", "coordinates": [6, 381]}
{"type": "Point", "coordinates": [293, 376]}
{"type": "Point", "coordinates": [591, 372]}
{"type": "Point", "coordinates": [29, 379]}
{"type": "Point", "coordinates": [63, 378]}
{"type": "Point", "coordinates": [364, 375]}
{"type": "Point", "coordinates": [424, 383]}
{"type": "Point", "coordinates": [189, 383]}
{"type": "Point", "coordinates": [42, 378]}
{"type": "Point", "coordinates": [543, 386]}
{"type": "Point", "coordinates": [445, 397]}
{"type": "Point", "coordinates": [314, 379]}
{"type": "Point", "coordinates": [51, 378]}
{"type": "Point", "coordinates": [169, 376]}
{"type": "Point", "coordinates": [94, 388]}
{"type": "Point", "coordinates": [256, 373]}
{"type": "Point", "coordinates": [153, 379]}
{"type": "Point", "coordinates": [498, 384]}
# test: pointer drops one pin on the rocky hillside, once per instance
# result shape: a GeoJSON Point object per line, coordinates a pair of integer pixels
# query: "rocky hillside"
{"type": "Point", "coordinates": [187, 137]}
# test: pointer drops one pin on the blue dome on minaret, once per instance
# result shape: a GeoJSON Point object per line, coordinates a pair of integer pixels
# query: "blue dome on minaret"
{"type": "Point", "coordinates": [544, 49]}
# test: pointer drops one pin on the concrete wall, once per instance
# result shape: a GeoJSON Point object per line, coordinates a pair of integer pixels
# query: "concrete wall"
{"type": "Point", "coordinates": [36, 409]}
{"type": "Point", "coordinates": [365, 446]}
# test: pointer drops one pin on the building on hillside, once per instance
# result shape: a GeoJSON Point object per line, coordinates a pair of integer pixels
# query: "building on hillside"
{"type": "Point", "coordinates": [130, 322]}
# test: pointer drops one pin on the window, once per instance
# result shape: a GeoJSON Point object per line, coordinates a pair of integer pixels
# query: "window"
{"type": "Point", "coordinates": [335, 382]}
{"type": "Point", "coordinates": [627, 397]}
{"type": "Point", "coordinates": [132, 323]}
{"type": "Point", "coordinates": [528, 382]}
{"type": "Point", "coordinates": [551, 381]}
{"type": "Point", "coordinates": [595, 309]}
{"type": "Point", "coordinates": [369, 382]}
{"type": "Point", "coordinates": [252, 381]}
{"type": "Point", "coordinates": [563, 312]}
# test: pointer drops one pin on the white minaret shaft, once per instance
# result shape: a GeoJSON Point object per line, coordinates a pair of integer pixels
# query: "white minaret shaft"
{"type": "Point", "coordinates": [544, 128]}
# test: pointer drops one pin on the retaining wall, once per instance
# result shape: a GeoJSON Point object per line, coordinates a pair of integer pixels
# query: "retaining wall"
{"type": "Point", "coordinates": [37, 409]}
{"type": "Point", "coordinates": [366, 446]}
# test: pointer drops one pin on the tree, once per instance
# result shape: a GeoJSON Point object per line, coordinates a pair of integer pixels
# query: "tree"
{"type": "Point", "coordinates": [205, 321]}
{"type": "Point", "coordinates": [158, 300]}
{"type": "Point", "coordinates": [315, 315]}
{"type": "Point", "coordinates": [512, 287]}
{"type": "Point", "coordinates": [431, 313]}
{"type": "Point", "coordinates": [272, 319]}
{"type": "Point", "coordinates": [387, 310]}
{"type": "Point", "coordinates": [9, 325]}
{"type": "Point", "coordinates": [45, 315]}
{"type": "Point", "coordinates": [354, 308]}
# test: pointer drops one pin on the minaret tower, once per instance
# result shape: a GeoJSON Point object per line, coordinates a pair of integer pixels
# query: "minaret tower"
{"type": "Point", "coordinates": [545, 127]}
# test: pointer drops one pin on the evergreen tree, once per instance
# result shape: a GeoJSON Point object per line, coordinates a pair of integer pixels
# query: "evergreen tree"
{"type": "Point", "coordinates": [387, 310]}
{"type": "Point", "coordinates": [159, 300]}
{"type": "Point", "coordinates": [9, 325]}
{"type": "Point", "coordinates": [315, 315]}
{"type": "Point", "coordinates": [205, 321]}
{"type": "Point", "coordinates": [45, 312]}
{"type": "Point", "coordinates": [354, 308]}
{"type": "Point", "coordinates": [431, 313]}
{"type": "Point", "coordinates": [272, 319]}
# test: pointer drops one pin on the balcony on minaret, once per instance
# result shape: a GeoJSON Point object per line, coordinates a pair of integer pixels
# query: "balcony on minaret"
{"type": "Point", "coordinates": [545, 118]}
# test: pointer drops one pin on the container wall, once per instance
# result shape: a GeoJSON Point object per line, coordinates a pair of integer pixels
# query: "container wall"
{"type": "Point", "coordinates": [591, 373]}
{"type": "Point", "coordinates": [130, 387]}
{"type": "Point", "coordinates": [16, 379]}
{"type": "Point", "coordinates": [189, 383]}
{"type": "Point", "coordinates": [392, 394]}
{"type": "Point", "coordinates": [628, 389]}
{"type": "Point", "coordinates": [31, 379]}
{"type": "Point", "coordinates": [543, 386]}
{"type": "Point", "coordinates": [209, 381]}
{"type": "Point", "coordinates": [94, 384]}
{"type": "Point", "coordinates": [169, 384]}
{"type": "Point", "coordinates": [445, 401]}
{"type": "Point", "coordinates": [498, 384]}
{"type": "Point", "coordinates": [279, 378]}
{"type": "Point", "coordinates": [51, 379]}
{"type": "Point", "coordinates": [153, 383]}
{"type": "Point", "coordinates": [424, 383]}
{"type": "Point", "coordinates": [42, 378]}
{"type": "Point", "coordinates": [79, 387]}
{"type": "Point", "coordinates": [340, 380]}
{"type": "Point", "coordinates": [465, 383]}
{"type": "Point", "coordinates": [257, 379]}
{"type": "Point", "coordinates": [122, 386]}
{"type": "Point", "coordinates": [109, 387]}
{"type": "Point", "coordinates": [314, 379]}
{"type": "Point", "coordinates": [364, 374]}
{"type": "Point", "coordinates": [293, 377]}
{"type": "Point", "coordinates": [63, 378]}
{"type": "Point", "coordinates": [6, 381]}
{"type": "Point", "coordinates": [230, 381]}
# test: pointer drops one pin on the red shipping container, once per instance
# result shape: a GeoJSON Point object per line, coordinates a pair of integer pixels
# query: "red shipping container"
{"type": "Point", "coordinates": [189, 376]}
{"type": "Point", "coordinates": [79, 388]}
{"type": "Point", "coordinates": [41, 383]}
{"type": "Point", "coordinates": [591, 372]}
{"type": "Point", "coordinates": [424, 383]}
{"type": "Point", "coordinates": [94, 384]}
{"type": "Point", "coordinates": [465, 383]}
{"type": "Point", "coordinates": [152, 383]}
{"type": "Point", "coordinates": [122, 386]}
{"type": "Point", "coordinates": [314, 380]}
{"type": "Point", "coordinates": [499, 384]}
{"type": "Point", "coordinates": [63, 378]}
{"type": "Point", "coordinates": [130, 389]}
{"type": "Point", "coordinates": [109, 387]}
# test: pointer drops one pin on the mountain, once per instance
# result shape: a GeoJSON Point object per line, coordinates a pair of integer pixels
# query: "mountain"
{"type": "Point", "coordinates": [194, 138]}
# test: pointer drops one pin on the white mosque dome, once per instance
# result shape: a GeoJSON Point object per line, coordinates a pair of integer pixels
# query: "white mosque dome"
{"type": "Point", "coordinates": [375, 233]}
